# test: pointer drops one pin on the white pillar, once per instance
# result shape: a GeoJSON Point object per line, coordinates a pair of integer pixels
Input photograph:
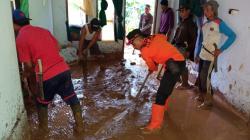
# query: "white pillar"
{"type": "Point", "coordinates": [11, 101]}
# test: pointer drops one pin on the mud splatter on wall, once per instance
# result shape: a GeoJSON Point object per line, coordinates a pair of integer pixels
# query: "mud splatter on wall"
{"type": "Point", "coordinates": [234, 79]}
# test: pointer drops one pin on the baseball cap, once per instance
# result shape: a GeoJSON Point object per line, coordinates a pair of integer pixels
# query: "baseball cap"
{"type": "Point", "coordinates": [132, 35]}
{"type": "Point", "coordinates": [18, 16]}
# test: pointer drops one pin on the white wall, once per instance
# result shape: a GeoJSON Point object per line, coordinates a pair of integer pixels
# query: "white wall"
{"type": "Point", "coordinates": [59, 18]}
{"type": "Point", "coordinates": [41, 13]}
{"type": "Point", "coordinates": [235, 84]}
{"type": "Point", "coordinates": [11, 102]}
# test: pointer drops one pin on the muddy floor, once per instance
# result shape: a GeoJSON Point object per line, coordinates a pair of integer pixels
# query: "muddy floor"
{"type": "Point", "coordinates": [108, 87]}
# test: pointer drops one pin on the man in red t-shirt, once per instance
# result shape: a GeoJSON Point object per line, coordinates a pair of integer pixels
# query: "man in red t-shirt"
{"type": "Point", "coordinates": [35, 43]}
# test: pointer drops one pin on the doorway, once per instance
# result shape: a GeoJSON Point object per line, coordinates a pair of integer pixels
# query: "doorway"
{"type": "Point", "coordinates": [133, 12]}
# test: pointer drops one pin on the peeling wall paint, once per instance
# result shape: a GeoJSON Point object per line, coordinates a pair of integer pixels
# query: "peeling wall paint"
{"type": "Point", "coordinates": [11, 101]}
{"type": "Point", "coordinates": [233, 77]}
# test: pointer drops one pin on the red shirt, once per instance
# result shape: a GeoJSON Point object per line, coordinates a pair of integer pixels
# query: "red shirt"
{"type": "Point", "coordinates": [158, 51]}
{"type": "Point", "coordinates": [35, 43]}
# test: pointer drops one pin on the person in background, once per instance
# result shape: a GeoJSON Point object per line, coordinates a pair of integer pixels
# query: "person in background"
{"type": "Point", "coordinates": [156, 50]}
{"type": "Point", "coordinates": [90, 34]}
{"type": "Point", "coordinates": [166, 20]}
{"type": "Point", "coordinates": [33, 44]}
{"type": "Point", "coordinates": [212, 32]}
{"type": "Point", "coordinates": [146, 21]}
{"type": "Point", "coordinates": [185, 39]}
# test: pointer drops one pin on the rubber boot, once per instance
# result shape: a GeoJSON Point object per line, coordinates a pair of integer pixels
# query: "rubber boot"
{"type": "Point", "coordinates": [156, 120]}
{"type": "Point", "coordinates": [166, 106]}
{"type": "Point", "coordinates": [77, 112]}
{"type": "Point", "coordinates": [43, 119]}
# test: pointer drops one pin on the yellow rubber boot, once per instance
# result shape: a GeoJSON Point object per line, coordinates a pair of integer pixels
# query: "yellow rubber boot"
{"type": "Point", "coordinates": [156, 120]}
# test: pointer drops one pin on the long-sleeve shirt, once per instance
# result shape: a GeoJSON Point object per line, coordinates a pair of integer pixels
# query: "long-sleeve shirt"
{"type": "Point", "coordinates": [166, 21]}
{"type": "Point", "coordinates": [212, 31]}
{"type": "Point", "coordinates": [158, 51]}
{"type": "Point", "coordinates": [145, 24]}
{"type": "Point", "coordinates": [185, 36]}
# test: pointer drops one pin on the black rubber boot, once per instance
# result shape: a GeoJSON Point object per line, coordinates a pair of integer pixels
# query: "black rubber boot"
{"type": "Point", "coordinates": [77, 112]}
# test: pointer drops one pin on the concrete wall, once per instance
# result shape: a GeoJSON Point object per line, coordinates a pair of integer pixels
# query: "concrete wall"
{"type": "Point", "coordinates": [59, 18]}
{"type": "Point", "coordinates": [11, 102]}
{"type": "Point", "coordinates": [41, 13]}
{"type": "Point", "coordinates": [233, 77]}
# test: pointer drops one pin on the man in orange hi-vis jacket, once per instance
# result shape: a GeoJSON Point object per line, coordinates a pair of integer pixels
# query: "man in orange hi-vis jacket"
{"type": "Point", "coordinates": [156, 50]}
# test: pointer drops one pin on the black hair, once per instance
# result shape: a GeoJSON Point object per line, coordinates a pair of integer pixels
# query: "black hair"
{"type": "Point", "coordinates": [164, 2]}
{"type": "Point", "coordinates": [95, 24]}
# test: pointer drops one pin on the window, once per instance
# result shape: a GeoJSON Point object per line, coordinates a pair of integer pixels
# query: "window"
{"type": "Point", "coordinates": [108, 30]}
{"type": "Point", "coordinates": [76, 15]}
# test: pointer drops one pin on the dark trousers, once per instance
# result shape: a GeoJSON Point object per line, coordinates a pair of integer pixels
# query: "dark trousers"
{"type": "Point", "coordinates": [60, 84]}
{"type": "Point", "coordinates": [169, 79]}
{"type": "Point", "coordinates": [206, 68]}
{"type": "Point", "coordinates": [204, 75]}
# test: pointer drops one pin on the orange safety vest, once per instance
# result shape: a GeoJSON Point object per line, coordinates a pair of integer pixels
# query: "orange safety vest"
{"type": "Point", "coordinates": [158, 51]}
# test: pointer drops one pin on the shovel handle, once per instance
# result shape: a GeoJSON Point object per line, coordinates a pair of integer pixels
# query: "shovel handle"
{"type": "Point", "coordinates": [215, 59]}
{"type": "Point", "coordinates": [40, 78]}
{"type": "Point", "coordinates": [159, 73]}
{"type": "Point", "coordinates": [143, 84]}
{"type": "Point", "coordinates": [39, 61]}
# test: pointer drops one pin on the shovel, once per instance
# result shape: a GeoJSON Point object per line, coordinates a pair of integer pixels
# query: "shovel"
{"type": "Point", "coordinates": [159, 73]}
{"type": "Point", "coordinates": [215, 59]}
{"type": "Point", "coordinates": [113, 121]}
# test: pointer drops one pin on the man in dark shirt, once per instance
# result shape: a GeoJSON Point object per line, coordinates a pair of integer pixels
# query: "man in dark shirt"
{"type": "Point", "coordinates": [185, 39]}
{"type": "Point", "coordinates": [146, 21]}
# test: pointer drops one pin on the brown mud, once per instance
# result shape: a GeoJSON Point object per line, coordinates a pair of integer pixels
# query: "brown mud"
{"type": "Point", "coordinates": [106, 88]}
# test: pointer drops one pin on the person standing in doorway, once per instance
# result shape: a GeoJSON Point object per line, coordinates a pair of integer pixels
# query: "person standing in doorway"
{"type": "Point", "coordinates": [33, 44]}
{"type": "Point", "coordinates": [166, 20]}
{"type": "Point", "coordinates": [212, 31]}
{"type": "Point", "coordinates": [185, 39]}
{"type": "Point", "coordinates": [146, 21]}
